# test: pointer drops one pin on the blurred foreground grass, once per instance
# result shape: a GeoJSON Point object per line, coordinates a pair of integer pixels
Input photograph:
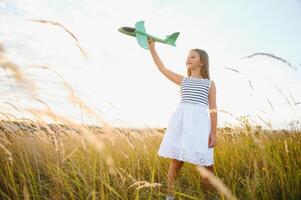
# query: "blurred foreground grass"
{"type": "Point", "coordinates": [42, 161]}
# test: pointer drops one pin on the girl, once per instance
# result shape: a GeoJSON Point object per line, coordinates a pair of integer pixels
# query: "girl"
{"type": "Point", "coordinates": [191, 132]}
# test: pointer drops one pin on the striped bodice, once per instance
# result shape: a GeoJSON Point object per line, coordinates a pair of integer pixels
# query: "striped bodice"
{"type": "Point", "coordinates": [195, 90]}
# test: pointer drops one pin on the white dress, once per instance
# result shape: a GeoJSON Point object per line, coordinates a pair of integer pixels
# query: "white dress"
{"type": "Point", "coordinates": [187, 134]}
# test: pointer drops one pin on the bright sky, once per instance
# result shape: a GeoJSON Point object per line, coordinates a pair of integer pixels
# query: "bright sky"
{"type": "Point", "coordinates": [120, 80]}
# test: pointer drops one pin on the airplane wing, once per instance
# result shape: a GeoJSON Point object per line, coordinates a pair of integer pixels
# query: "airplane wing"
{"type": "Point", "coordinates": [141, 35]}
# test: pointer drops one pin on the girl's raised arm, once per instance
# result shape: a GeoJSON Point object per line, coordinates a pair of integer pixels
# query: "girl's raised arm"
{"type": "Point", "coordinates": [174, 77]}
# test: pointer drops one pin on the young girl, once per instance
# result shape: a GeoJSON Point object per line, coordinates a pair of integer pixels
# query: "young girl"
{"type": "Point", "coordinates": [191, 132]}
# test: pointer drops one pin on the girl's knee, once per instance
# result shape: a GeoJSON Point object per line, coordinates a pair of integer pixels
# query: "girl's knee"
{"type": "Point", "coordinates": [177, 163]}
{"type": "Point", "coordinates": [210, 168]}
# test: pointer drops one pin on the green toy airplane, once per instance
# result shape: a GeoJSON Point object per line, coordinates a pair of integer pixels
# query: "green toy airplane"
{"type": "Point", "coordinates": [142, 37]}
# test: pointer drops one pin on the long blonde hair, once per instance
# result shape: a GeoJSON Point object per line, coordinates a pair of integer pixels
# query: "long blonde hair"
{"type": "Point", "coordinates": [205, 60]}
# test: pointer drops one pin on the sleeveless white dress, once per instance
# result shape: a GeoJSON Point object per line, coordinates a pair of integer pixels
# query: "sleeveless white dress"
{"type": "Point", "coordinates": [186, 137]}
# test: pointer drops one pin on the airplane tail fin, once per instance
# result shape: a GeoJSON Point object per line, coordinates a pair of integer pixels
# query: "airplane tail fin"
{"type": "Point", "coordinates": [171, 39]}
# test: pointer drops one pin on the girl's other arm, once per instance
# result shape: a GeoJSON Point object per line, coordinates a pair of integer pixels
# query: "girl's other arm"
{"type": "Point", "coordinates": [212, 107]}
{"type": "Point", "coordinates": [174, 77]}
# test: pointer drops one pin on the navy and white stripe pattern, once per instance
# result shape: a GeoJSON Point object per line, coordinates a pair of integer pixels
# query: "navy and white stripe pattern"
{"type": "Point", "coordinates": [195, 90]}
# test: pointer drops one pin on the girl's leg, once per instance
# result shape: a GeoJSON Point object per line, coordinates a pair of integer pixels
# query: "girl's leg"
{"type": "Point", "coordinates": [205, 182]}
{"type": "Point", "coordinates": [173, 172]}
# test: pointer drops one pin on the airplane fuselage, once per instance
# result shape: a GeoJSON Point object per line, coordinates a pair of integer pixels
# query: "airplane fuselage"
{"type": "Point", "coordinates": [132, 32]}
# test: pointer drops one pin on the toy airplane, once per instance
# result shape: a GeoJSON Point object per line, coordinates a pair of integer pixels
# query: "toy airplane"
{"type": "Point", "coordinates": [142, 37]}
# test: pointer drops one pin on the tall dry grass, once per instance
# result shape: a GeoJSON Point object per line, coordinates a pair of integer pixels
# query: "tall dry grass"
{"type": "Point", "coordinates": [40, 161]}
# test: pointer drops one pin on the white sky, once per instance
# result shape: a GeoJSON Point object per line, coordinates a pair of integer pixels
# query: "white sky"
{"type": "Point", "coordinates": [119, 78]}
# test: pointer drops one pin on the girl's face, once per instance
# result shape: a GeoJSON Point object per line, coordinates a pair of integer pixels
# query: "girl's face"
{"type": "Point", "coordinates": [193, 60]}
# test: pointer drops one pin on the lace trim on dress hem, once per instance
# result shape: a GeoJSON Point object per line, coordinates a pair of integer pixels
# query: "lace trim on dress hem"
{"type": "Point", "coordinates": [180, 154]}
{"type": "Point", "coordinates": [202, 164]}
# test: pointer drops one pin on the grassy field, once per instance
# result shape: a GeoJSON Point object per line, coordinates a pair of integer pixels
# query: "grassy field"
{"type": "Point", "coordinates": [72, 161]}
{"type": "Point", "coordinates": [42, 161]}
